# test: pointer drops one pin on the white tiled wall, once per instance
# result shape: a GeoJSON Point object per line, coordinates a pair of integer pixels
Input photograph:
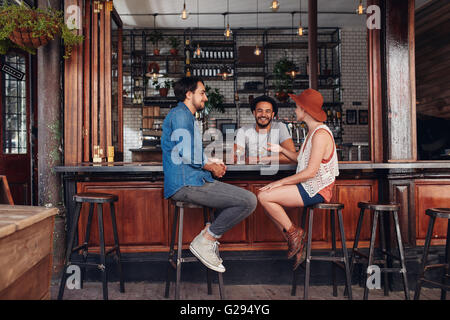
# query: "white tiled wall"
{"type": "Point", "coordinates": [353, 84]}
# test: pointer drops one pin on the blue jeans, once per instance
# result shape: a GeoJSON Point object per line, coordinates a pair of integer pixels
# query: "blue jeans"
{"type": "Point", "coordinates": [232, 204]}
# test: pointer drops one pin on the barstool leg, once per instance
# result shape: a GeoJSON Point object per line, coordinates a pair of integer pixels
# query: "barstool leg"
{"type": "Point", "coordinates": [348, 275]}
{"type": "Point", "coordinates": [333, 251]}
{"type": "Point", "coordinates": [219, 274]}
{"type": "Point", "coordinates": [86, 242]}
{"type": "Point", "coordinates": [447, 263]}
{"type": "Point", "coordinates": [301, 218]}
{"type": "Point", "coordinates": [371, 249]}
{"type": "Point", "coordinates": [383, 252]}
{"type": "Point", "coordinates": [62, 284]}
{"type": "Point", "coordinates": [402, 255]}
{"type": "Point", "coordinates": [171, 264]}
{"type": "Point", "coordinates": [424, 257]}
{"type": "Point", "coordinates": [208, 271]}
{"type": "Point", "coordinates": [116, 242]}
{"type": "Point", "coordinates": [179, 253]}
{"type": "Point", "coordinates": [102, 265]}
{"type": "Point", "coordinates": [355, 245]}
{"type": "Point", "coordinates": [308, 252]}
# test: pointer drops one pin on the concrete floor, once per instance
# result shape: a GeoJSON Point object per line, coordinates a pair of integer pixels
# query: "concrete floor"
{"type": "Point", "coordinates": [197, 291]}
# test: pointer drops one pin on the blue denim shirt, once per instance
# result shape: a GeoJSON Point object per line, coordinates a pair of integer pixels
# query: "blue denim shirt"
{"type": "Point", "coordinates": [182, 149]}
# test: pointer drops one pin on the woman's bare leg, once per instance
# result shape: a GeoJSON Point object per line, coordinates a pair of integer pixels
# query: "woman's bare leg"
{"type": "Point", "coordinates": [274, 200]}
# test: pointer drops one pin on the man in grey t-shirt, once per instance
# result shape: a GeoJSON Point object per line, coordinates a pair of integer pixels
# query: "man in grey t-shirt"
{"type": "Point", "coordinates": [251, 140]}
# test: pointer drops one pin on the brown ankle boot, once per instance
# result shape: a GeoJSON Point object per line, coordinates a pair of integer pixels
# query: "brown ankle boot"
{"type": "Point", "coordinates": [295, 238]}
{"type": "Point", "coordinates": [300, 256]}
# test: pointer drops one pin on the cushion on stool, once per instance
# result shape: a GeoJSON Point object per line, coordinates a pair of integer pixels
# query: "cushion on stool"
{"type": "Point", "coordinates": [182, 204]}
{"type": "Point", "coordinates": [439, 212]}
{"type": "Point", "coordinates": [381, 206]}
{"type": "Point", "coordinates": [328, 206]}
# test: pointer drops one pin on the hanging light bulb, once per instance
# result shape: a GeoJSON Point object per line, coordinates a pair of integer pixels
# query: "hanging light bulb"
{"type": "Point", "coordinates": [224, 73]}
{"type": "Point", "coordinates": [184, 14]}
{"type": "Point", "coordinates": [257, 51]}
{"type": "Point", "coordinates": [360, 9]}
{"type": "Point", "coordinates": [292, 73]}
{"type": "Point", "coordinates": [198, 51]}
{"type": "Point", "coordinates": [227, 33]}
{"type": "Point", "coordinates": [300, 28]}
{"type": "Point", "coordinates": [275, 5]}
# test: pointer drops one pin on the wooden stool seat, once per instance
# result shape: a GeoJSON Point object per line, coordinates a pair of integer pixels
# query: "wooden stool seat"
{"type": "Point", "coordinates": [445, 267]}
{"type": "Point", "coordinates": [439, 212]}
{"type": "Point", "coordinates": [182, 204]}
{"type": "Point", "coordinates": [176, 259]}
{"type": "Point", "coordinates": [379, 206]}
{"type": "Point", "coordinates": [329, 206]}
{"type": "Point", "coordinates": [93, 197]}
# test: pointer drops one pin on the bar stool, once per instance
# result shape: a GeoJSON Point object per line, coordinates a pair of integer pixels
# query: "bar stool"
{"type": "Point", "coordinates": [435, 213]}
{"type": "Point", "coordinates": [335, 261]}
{"type": "Point", "coordinates": [379, 210]}
{"type": "Point", "coordinates": [176, 263]}
{"type": "Point", "coordinates": [99, 199]}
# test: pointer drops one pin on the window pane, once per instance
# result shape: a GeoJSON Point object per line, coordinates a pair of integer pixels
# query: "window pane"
{"type": "Point", "coordinates": [14, 109]}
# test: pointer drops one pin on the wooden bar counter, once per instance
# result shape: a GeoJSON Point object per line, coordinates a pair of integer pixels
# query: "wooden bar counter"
{"type": "Point", "coordinates": [143, 213]}
{"type": "Point", "coordinates": [26, 242]}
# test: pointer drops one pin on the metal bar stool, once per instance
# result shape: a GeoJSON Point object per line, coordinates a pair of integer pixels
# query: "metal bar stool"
{"type": "Point", "coordinates": [342, 262]}
{"type": "Point", "coordinates": [379, 210]}
{"type": "Point", "coordinates": [99, 199]}
{"type": "Point", "coordinates": [176, 263]}
{"type": "Point", "coordinates": [435, 213]}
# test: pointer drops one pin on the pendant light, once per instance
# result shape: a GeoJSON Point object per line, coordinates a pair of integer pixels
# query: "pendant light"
{"type": "Point", "coordinates": [300, 27]}
{"type": "Point", "coordinates": [198, 51]}
{"type": "Point", "coordinates": [227, 33]}
{"type": "Point", "coordinates": [293, 72]}
{"type": "Point", "coordinates": [275, 5]}
{"type": "Point", "coordinates": [224, 72]}
{"type": "Point", "coordinates": [153, 68]}
{"type": "Point", "coordinates": [360, 9]}
{"type": "Point", "coordinates": [257, 51]}
{"type": "Point", "coordinates": [184, 14]}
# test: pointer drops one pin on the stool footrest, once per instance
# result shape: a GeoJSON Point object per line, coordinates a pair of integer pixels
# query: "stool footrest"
{"type": "Point", "coordinates": [434, 266]}
{"type": "Point", "coordinates": [189, 259]}
{"type": "Point", "coordinates": [437, 284]}
{"type": "Point", "coordinates": [83, 246]}
{"type": "Point", "coordinates": [88, 264]}
{"type": "Point", "coordinates": [326, 258]}
{"type": "Point", "coordinates": [113, 249]}
{"type": "Point", "coordinates": [392, 270]}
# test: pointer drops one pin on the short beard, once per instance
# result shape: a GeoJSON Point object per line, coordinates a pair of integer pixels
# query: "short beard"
{"type": "Point", "coordinates": [264, 125]}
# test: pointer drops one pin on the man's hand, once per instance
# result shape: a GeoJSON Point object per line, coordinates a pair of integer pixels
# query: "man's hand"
{"type": "Point", "coordinates": [216, 167]}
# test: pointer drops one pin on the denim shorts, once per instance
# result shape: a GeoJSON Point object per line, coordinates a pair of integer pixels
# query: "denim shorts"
{"type": "Point", "coordinates": [307, 200]}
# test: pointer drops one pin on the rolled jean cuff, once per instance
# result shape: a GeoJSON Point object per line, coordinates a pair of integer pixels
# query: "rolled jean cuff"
{"type": "Point", "coordinates": [213, 234]}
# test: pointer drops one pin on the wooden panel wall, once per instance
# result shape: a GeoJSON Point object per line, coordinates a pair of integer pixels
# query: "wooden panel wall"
{"type": "Point", "coordinates": [73, 98]}
{"type": "Point", "coordinates": [431, 194]}
{"type": "Point", "coordinates": [144, 222]}
{"type": "Point", "coordinates": [432, 59]}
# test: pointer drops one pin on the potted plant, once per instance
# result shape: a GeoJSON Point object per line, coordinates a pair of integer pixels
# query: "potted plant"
{"type": "Point", "coordinates": [283, 83]}
{"type": "Point", "coordinates": [174, 43]}
{"type": "Point", "coordinates": [163, 88]}
{"type": "Point", "coordinates": [29, 28]}
{"type": "Point", "coordinates": [215, 100]}
{"type": "Point", "coordinates": [155, 36]}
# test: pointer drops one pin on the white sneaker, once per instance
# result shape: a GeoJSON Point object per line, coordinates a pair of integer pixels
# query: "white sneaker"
{"type": "Point", "coordinates": [207, 252]}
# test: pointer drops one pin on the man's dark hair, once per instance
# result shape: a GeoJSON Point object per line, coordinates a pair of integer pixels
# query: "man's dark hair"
{"type": "Point", "coordinates": [185, 84]}
{"type": "Point", "coordinates": [266, 99]}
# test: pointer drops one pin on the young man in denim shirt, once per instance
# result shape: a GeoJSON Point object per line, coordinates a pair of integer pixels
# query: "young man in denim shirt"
{"type": "Point", "coordinates": [188, 173]}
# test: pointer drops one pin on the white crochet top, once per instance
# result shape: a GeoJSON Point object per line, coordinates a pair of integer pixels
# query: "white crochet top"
{"type": "Point", "coordinates": [327, 171]}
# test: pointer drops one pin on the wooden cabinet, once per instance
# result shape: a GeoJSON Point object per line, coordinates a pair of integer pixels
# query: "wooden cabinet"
{"type": "Point", "coordinates": [144, 223]}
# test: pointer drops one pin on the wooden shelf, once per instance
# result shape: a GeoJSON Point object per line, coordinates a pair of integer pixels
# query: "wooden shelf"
{"type": "Point", "coordinates": [299, 45]}
{"type": "Point", "coordinates": [250, 91]}
{"type": "Point", "coordinates": [250, 65]}
{"type": "Point", "coordinates": [212, 61]}
{"type": "Point", "coordinates": [215, 43]}
{"type": "Point", "coordinates": [168, 57]}
{"type": "Point", "coordinates": [250, 74]}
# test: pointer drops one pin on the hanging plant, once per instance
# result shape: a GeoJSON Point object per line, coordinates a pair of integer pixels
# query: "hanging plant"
{"type": "Point", "coordinates": [215, 100]}
{"type": "Point", "coordinates": [29, 28]}
{"type": "Point", "coordinates": [283, 83]}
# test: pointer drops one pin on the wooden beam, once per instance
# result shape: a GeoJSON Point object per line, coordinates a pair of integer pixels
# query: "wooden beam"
{"type": "Point", "coordinates": [107, 75]}
{"type": "Point", "coordinates": [94, 80]}
{"type": "Point", "coordinates": [312, 43]}
{"type": "Point", "coordinates": [120, 87]}
{"type": "Point", "coordinates": [101, 113]}
{"type": "Point", "coordinates": [87, 82]}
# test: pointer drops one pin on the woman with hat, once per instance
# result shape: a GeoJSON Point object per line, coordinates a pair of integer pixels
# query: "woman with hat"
{"type": "Point", "coordinates": [317, 167]}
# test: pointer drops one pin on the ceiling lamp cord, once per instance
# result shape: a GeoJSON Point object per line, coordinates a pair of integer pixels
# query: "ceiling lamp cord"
{"type": "Point", "coordinates": [257, 51]}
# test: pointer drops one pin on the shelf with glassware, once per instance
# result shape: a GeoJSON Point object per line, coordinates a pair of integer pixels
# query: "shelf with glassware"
{"type": "Point", "coordinates": [211, 60]}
